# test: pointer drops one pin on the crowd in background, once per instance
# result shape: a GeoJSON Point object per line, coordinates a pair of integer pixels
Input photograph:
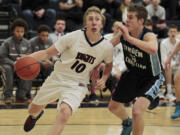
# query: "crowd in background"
{"type": "Point", "coordinates": [48, 20]}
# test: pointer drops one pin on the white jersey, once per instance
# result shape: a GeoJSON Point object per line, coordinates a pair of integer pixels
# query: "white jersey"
{"type": "Point", "coordinates": [79, 56]}
{"type": "Point", "coordinates": [118, 56]}
{"type": "Point", "coordinates": [166, 49]}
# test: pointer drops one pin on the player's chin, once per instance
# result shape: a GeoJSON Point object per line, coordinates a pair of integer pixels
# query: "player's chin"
{"type": "Point", "coordinates": [94, 30]}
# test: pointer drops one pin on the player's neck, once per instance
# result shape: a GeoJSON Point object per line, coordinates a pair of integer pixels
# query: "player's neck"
{"type": "Point", "coordinates": [173, 41]}
{"type": "Point", "coordinates": [93, 37]}
{"type": "Point", "coordinates": [136, 32]}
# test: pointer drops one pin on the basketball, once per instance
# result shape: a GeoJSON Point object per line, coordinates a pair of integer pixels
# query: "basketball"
{"type": "Point", "coordinates": [27, 68]}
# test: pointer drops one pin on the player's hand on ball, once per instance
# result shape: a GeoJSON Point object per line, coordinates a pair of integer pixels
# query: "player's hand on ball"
{"type": "Point", "coordinates": [27, 68]}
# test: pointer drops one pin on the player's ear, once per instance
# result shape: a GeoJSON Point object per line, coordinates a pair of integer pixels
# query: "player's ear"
{"type": "Point", "coordinates": [141, 20]}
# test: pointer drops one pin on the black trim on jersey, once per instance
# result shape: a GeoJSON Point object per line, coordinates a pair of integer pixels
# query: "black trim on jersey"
{"type": "Point", "coordinates": [91, 44]}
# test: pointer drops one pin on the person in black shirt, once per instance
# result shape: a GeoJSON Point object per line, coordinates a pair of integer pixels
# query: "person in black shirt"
{"type": "Point", "coordinates": [143, 77]}
{"type": "Point", "coordinates": [37, 12]}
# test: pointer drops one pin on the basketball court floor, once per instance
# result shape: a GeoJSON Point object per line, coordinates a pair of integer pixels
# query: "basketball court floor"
{"type": "Point", "coordinates": [90, 119]}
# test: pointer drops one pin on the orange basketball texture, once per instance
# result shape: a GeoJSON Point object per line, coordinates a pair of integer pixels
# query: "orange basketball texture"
{"type": "Point", "coordinates": [27, 68]}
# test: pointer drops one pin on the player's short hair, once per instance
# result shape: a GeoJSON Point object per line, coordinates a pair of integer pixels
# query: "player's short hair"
{"type": "Point", "coordinates": [43, 28]}
{"type": "Point", "coordinates": [96, 10]}
{"type": "Point", "coordinates": [140, 10]}
{"type": "Point", "coordinates": [19, 22]}
{"type": "Point", "coordinates": [172, 26]}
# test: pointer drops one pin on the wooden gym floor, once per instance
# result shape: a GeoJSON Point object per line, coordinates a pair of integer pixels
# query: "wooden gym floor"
{"type": "Point", "coordinates": [89, 121]}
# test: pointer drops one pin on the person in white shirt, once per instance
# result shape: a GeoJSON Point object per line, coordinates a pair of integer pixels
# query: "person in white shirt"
{"type": "Point", "coordinates": [118, 60]}
{"type": "Point", "coordinates": [176, 50]}
{"type": "Point", "coordinates": [81, 51]}
{"type": "Point", "coordinates": [118, 57]}
{"type": "Point", "coordinates": [59, 26]}
{"type": "Point", "coordinates": [166, 47]}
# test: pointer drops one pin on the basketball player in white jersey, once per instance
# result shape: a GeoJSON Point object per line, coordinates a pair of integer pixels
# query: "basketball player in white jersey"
{"type": "Point", "coordinates": [81, 51]}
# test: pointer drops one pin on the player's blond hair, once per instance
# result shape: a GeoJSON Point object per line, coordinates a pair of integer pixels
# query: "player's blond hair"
{"type": "Point", "coordinates": [96, 10]}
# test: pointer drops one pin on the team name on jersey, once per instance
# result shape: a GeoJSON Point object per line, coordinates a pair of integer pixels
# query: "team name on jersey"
{"type": "Point", "coordinates": [85, 57]}
{"type": "Point", "coordinates": [134, 54]}
{"type": "Point", "coordinates": [133, 51]}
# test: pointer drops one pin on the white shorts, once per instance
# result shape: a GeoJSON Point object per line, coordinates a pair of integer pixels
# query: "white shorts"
{"type": "Point", "coordinates": [55, 87]}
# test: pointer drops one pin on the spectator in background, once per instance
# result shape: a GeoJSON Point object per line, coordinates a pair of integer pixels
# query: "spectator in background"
{"type": "Point", "coordinates": [37, 12]}
{"type": "Point", "coordinates": [72, 11]}
{"type": "Point", "coordinates": [178, 9]}
{"type": "Point", "coordinates": [118, 60]}
{"type": "Point", "coordinates": [149, 25]}
{"type": "Point", "coordinates": [146, 2]}
{"type": "Point", "coordinates": [167, 45]}
{"type": "Point", "coordinates": [122, 11]}
{"type": "Point", "coordinates": [176, 113]}
{"type": "Point", "coordinates": [157, 14]}
{"type": "Point", "coordinates": [12, 48]}
{"type": "Point", "coordinates": [59, 28]}
{"type": "Point", "coordinates": [41, 42]}
{"type": "Point", "coordinates": [171, 8]}
{"type": "Point", "coordinates": [109, 9]}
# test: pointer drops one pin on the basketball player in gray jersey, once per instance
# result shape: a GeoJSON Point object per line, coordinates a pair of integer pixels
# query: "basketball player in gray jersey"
{"type": "Point", "coordinates": [143, 77]}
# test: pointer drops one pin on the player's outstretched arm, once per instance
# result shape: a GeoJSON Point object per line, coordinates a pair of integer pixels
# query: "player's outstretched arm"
{"type": "Point", "coordinates": [45, 54]}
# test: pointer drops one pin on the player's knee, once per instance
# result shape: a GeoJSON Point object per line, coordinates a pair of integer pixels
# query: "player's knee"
{"type": "Point", "coordinates": [136, 112]}
{"type": "Point", "coordinates": [112, 107]}
{"type": "Point", "coordinates": [64, 114]}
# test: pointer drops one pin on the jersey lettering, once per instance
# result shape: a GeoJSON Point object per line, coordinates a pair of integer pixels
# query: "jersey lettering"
{"type": "Point", "coordinates": [85, 57]}
{"type": "Point", "coordinates": [79, 67]}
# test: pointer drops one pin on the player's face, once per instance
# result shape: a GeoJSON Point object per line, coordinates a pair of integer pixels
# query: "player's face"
{"type": "Point", "coordinates": [60, 26]}
{"type": "Point", "coordinates": [44, 36]}
{"type": "Point", "coordinates": [93, 22]}
{"type": "Point", "coordinates": [132, 21]}
{"type": "Point", "coordinates": [18, 32]}
{"type": "Point", "coordinates": [172, 33]}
